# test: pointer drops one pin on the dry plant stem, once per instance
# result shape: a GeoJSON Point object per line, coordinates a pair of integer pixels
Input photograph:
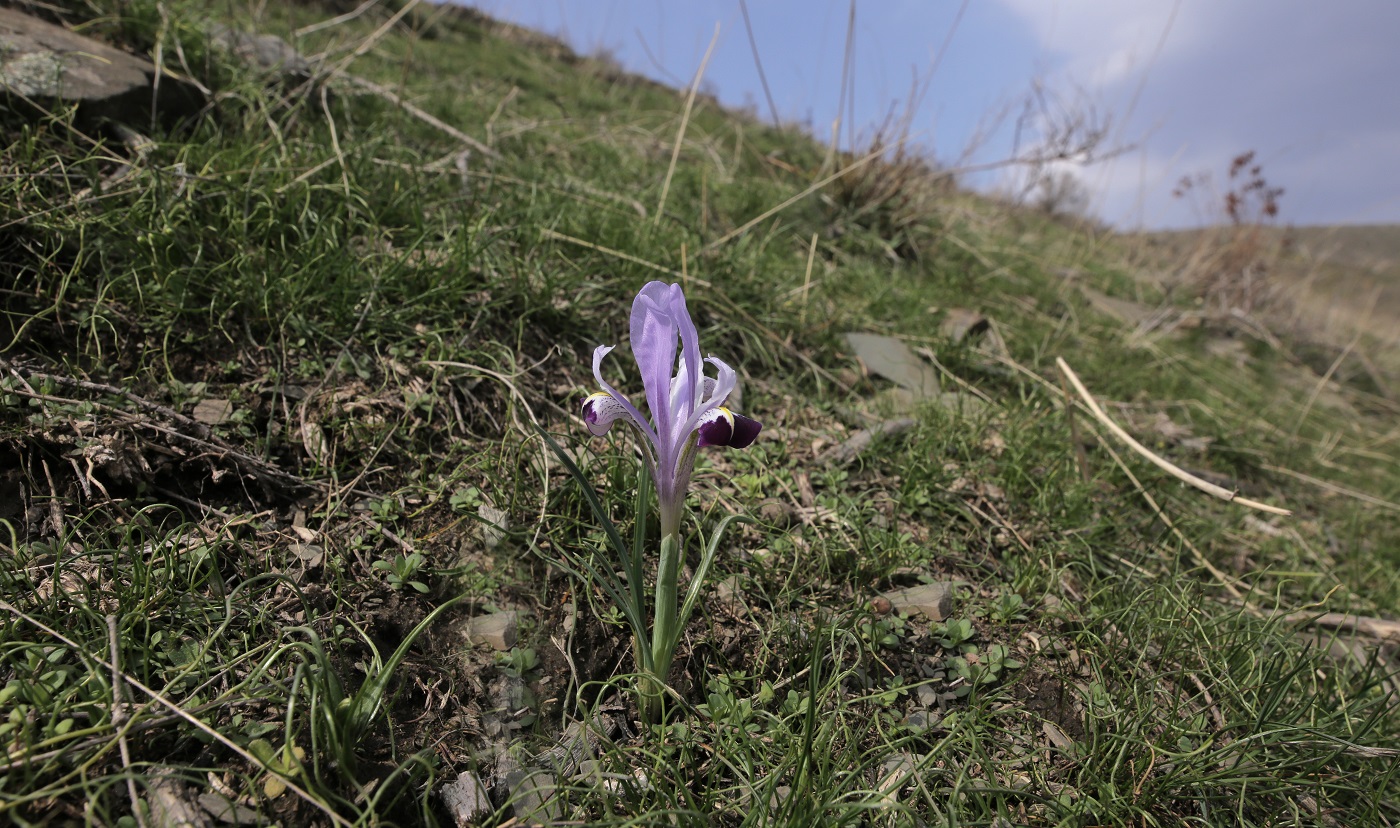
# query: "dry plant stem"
{"type": "Point", "coordinates": [807, 280]}
{"type": "Point", "coordinates": [139, 402]}
{"type": "Point", "coordinates": [1322, 383]}
{"type": "Point", "coordinates": [1215, 713]}
{"type": "Point", "coordinates": [1378, 628]}
{"type": "Point", "coordinates": [426, 117]}
{"type": "Point", "coordinates": [377, 36]}
{"type": "Point", "coordinates": [55, 511]}
{"type": "Point", "coordinates": [183, 714]}
{"type": "Point", "coordinates": [1164, 465]}
{"type": "Point", "coordinates": [758, 64]}
{"type": "Point", "coordinates": [119, 718]}
{"type": "Point", "coordinates": [336, 21]}
{"type": "Point", "coordinates": [1223, 579]}
{"type": "Point", "coordinates": [627, 257]}
{"type": "Point", "coordinates": [1334, 488]}
{"type": "Point", "coordinates": [335, 143]}
{"type": "Point", "coordinates": [928, 354]}
{"type": "Point", "coordinates": [1080, 457]}
{"type": "Point", "coordinates": [685, 121]}
{"type": "Point", "coordinates": [765, 215]}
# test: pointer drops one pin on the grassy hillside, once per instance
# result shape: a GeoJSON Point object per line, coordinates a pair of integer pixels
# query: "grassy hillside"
{"type": "Point", "coordinates": [1333, 282]}
{"type": "Point", "coordinates": [270, 458]}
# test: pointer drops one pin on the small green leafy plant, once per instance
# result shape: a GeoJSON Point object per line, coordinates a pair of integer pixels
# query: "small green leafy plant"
{"type": "Point", "coordinates": [402, 571]}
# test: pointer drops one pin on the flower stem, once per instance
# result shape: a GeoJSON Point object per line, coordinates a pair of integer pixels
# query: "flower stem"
{"type": "Point", "coordinates": [664, 623]}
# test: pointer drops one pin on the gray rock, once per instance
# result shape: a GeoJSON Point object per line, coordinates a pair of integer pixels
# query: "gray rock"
{"type": "Point", "coordinates": [529, 791]}
{"type": "Point", "coordinates": [960, 323]}
{"type": "Point", "coordinates": [892, 359]}
{"type": "Point", "coordinates": [43, 64]}
{"type": "Point", "coordinates": [729, 591]}
{"type": "Point", "coordinates": [934, 601]}
{"type": "Point", "coordinates": [465, 798]}
{"type": "Point", "coordinates": [861, 440]}
{"type": "Point", "coordinates": [227, 811]}
{"type": "Point", "coordinates": [498, 630]}
{"type": "Point", "coordinates": [213, 412]}
{"type": "Point", "coordinates": [171, 802]}
{"type": "Point", "coordinates": [494, 523]}
{"type": "Point", "coordinates": [262, 51]}
{"type": "Point", "coordinates": [894, 773]}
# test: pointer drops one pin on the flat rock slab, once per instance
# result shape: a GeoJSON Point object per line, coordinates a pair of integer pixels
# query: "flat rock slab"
{"type": "Point", "coordinates": [893, 360]}
{"type": "Point", "coordinates": [46, 64]}
{"type": "Point", "coordinates": [1124, 310]}
{"type": "Point", "coordinates": [934, 601]}
{"type": "Point", "coordinates": [466, 799]}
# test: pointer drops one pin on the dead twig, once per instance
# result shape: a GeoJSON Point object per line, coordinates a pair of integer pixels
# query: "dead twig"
{"type": "Point", "coordinates": [1334, 488]}
{"type": "Point", "coordinates": [417, 112]}
{"type": "Point", "coordinates": [1224, 580]}
{"type": "Point", "coordinates": [245, 463]}
{"type": "Point", "coordinates": [119, 718]}
{"type": "Point", "coordinates": [685, 121]}
{"type": "Point", "coordinates": [140, 402]}
{"type": "Point", "coordinates": [858, 442]}
{"type": "Point", "coordinates": [1157, 460]}
{"type": "Point", "coordinates": [1378, 628]}
{"type": "Point", "coordinates": [198, 723]}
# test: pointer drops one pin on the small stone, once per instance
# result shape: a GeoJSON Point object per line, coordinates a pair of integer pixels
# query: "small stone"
{"type": "Point", "coordinates": [172, 802]}
{"type": "Point", "coordinates": [780, 795]}
{"type": "Point", "coordinates": [778, 514]}
{"type": "Point", "coordinates": [497, 630]}
{"type": "Point", "coordinates": [493, 525]}
{"type": "Point", "coordinates": [310, 554]}
{"type": "Point", "coordinates": [224, 809]}
{"type": "Point", "coordinates": [728, 591]}
{"type": "Point", "coordinates": [533, 799]}
{"type": "Point", "coordinates": [263, 51]}
{"type": "Point", "coordinates": [934, 601]}
{"type": "Point", "coordinates": [894, 773]}
{"type": "Point", "coordinates": [960, 323]}
{"type": "Point", "coordinates": [465, 798]}
{"type": "Point", "coordinates": [922, 720]}
{"type": "Point", "coordinates": [892, 359]}
{"type": "Point", "coordinates": [213, 412]}
{"type": "Point", "coordinates": [1056, 736]}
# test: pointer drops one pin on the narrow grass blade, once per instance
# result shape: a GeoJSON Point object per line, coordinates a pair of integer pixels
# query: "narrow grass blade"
{"type": "Point", "coordinates": [702, 571]}
{"type": "Point", "coordinates": [368, 699]}
{"type": "Point", "coordinates": [614, 537]}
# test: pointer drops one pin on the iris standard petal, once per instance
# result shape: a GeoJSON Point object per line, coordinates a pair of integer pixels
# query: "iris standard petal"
{"type": "Point", "coordinates": [690, 349]}
{"type": "Point", "coordinates": [654, 334]}
{"type": "Point", "coordinates": [724, 385]}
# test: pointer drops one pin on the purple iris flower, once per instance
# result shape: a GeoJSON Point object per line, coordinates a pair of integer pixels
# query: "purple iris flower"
{"type": "Point", "coordinates": [687, 407]}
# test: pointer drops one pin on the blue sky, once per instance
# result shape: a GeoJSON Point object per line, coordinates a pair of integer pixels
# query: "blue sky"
{"type": "Point", "coordinates": [1183, 85]}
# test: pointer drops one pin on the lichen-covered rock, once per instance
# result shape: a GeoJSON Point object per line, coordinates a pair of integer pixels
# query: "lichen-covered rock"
{"type": "Point", "coordinates": [269, 53]}
{"type": "Point", "coordinates": [44, 65]}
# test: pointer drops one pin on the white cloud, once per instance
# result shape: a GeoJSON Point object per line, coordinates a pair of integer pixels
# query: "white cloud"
{"type": "Point", "coordinates": [1304, 84]}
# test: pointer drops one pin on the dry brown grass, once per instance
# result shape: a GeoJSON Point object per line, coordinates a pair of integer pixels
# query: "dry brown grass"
{"type": "Point", "coordinates": [1332, 292]}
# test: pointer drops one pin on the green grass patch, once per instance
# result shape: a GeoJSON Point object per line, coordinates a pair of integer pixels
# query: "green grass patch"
{"type": "Point", "coordinates": [268, 395]}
